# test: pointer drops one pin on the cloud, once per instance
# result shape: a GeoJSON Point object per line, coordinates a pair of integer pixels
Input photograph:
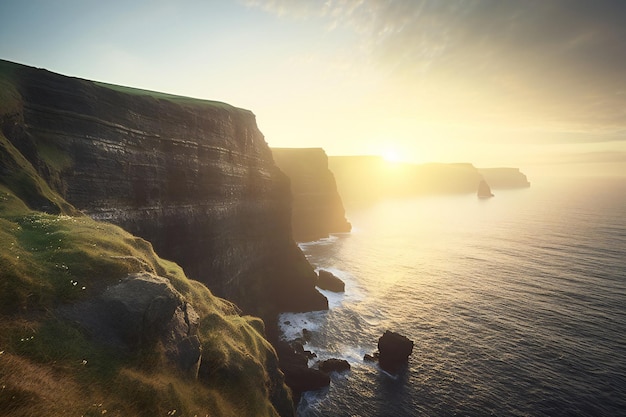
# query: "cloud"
{"type": "Point", "coordinates": [558, 61]}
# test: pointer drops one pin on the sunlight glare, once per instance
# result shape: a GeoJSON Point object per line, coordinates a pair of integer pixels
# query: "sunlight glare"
{"type": "Point", "coordinates": [391, 155]}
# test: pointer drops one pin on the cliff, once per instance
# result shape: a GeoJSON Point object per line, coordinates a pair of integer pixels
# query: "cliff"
{"type": "Point", "coordinates": [317, 209]}
{"type": "Point", "coordinates": [93, 322]}
{"type": "Point", "coordinates": [368, 178]}
{"type": "Point", "coordinates": [504, 177]}
{"type": "Point", "coordinates": [195, 178]}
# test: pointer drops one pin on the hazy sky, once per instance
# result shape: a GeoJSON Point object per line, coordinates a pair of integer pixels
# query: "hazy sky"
{"type": "Point", "coordinates": [494, 82]}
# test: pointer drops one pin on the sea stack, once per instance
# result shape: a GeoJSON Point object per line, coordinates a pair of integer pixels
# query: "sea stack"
{"type": "Point", "coordinates": [483, 190]}
{"type": "Point", "coordinates": [395, 350]}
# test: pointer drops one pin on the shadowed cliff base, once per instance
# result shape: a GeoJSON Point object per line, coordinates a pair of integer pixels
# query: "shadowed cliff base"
{"type": "Point", "coordinates": [317, 207]}
{"type": "Point", "coordinates": [195, 178]}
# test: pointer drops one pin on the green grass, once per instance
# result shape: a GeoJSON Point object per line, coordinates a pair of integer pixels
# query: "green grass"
{"type": "Point", "coordinates": [51, 260]}
{"type": "Point", "coordinates": [164, 96]}
{"type": "Point", "coordinates": [22, 179]}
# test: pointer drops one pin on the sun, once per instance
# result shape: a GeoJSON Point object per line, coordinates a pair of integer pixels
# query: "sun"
{"type": "Point", "coordinates": [391, 155]}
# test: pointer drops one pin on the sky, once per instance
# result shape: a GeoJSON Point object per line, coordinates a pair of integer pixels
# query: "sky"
{"type": "Point", "coordinates": [534, 84]}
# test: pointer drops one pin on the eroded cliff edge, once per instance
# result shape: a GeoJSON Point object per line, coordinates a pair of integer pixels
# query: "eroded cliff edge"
{"type": "Point", "coordinates": [195, 178]}
{"type": "Point", "coordinates": [317, 206]}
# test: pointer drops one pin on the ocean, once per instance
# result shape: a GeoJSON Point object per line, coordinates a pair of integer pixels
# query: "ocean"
{"type": "Point", "coordinates": [516, 304]}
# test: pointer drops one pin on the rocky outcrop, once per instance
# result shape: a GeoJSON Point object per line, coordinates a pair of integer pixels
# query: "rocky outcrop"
{"type": "Point", "coordinates": [195, 178]}
{"type": "Point", "coordinates": [394, 351]}
{"type": "Point", "coordinates": [328, 281]}
{"type": "Point", "coordinates": [140, 311]}
{"type": "Point", "coordinates": [298, 376]}
{"type": "Point", "coordinates": [504, 178]}
{"type": "Point", "coordinates": [334, 365]}
{"type": "Point", "coordinates": [317, 206]}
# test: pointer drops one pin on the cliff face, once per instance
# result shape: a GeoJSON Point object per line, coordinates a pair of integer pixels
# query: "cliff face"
{"type": "Point", "coordinates": [317, 206]}
{"type": "Point", "coordinates": [504, 177]}
{"type": "Point", "coordinates": [368, 178]}
{"type": "Point", "coordinates": [193, 177]}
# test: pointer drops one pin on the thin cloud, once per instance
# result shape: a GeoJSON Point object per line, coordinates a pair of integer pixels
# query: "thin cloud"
{"type": "Point", "coordinates": [559, 61]}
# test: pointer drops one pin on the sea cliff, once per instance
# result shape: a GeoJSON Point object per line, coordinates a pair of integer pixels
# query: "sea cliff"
{"type": "Point", "coordinates": [369, 178]}
{"type": "Point", "coordinates": [317, 207]}
{"type": "Point", "coordinates": [504, 177]}
{"type": "Point", "coordinates": [85, 303]}
{"type": "Point", "coordinates": [195, 178]}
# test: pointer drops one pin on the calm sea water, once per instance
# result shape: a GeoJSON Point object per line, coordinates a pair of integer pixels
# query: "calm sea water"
{"type": "Point", "coordinates": [516, 304]}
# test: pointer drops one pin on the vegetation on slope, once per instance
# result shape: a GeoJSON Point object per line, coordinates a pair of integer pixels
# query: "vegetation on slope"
{"type": "Point", "coordinates": [51, 366]}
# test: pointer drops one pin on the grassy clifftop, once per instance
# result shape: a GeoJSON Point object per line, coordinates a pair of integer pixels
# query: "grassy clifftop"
{"type": "Point", "coordinates": [50, 365]}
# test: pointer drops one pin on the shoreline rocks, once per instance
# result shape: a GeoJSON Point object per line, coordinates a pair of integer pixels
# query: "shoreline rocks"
{"type": "Point", "coordinates": [328, 281]}
{"type": "Point", "coordinates": [293, 361]}
{"type": "Point", "coordinates": [333, 365]}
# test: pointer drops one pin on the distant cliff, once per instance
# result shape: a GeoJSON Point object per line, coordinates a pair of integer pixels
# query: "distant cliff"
{"type": "Point", "coordinates": [363, 178]}
{"type": "Point", "coordinates": [367, 178]}
{"type": "Point", "coordinates": [317, 206]}
{"type": "Point", "coordinates": [195, 178]}
{"type": "Point", "coordinates": [504, 177]}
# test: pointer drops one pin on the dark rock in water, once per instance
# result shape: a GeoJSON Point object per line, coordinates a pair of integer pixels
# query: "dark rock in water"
{"type": "Point", "coordinates": [298, 347]}
{"type": "Point", "coordinates": [483, 190]}
{"type": "Point", "coordinates": [288, 356]}
{"type": "Point", "coordinates": [328, 281]}
{"type": "Point", "coordinates": [299, 377]}
{"type": "Point", "coordinates": [306, 335]}
{"type": "Point", "coordinates": [395, 350]}
{"type": "Point", "coordinates": [370, 358]}
{"type": "Point", "coordinates": [334, 365]}
{"type": "Point", "coordinates": [303, 379]}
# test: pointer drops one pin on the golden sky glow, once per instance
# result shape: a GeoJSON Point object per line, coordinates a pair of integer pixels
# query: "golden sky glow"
{"type": "Point", "coordinates": [534, 84]}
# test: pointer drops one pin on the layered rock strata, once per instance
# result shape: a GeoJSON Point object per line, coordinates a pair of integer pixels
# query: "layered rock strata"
{"type": "Point", "coordinates": [317, 206]}
{"type": "Point", "coordinates": [195, 178]}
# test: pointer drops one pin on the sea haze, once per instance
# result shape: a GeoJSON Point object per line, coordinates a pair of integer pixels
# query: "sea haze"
{"type": "Point", "coordinates": [516, 304]}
